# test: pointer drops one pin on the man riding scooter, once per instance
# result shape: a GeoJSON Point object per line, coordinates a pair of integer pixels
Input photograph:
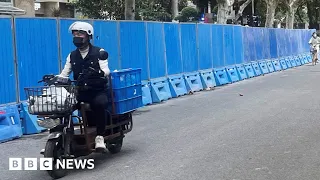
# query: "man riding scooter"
{"type": "Point", "coordinates": [314, 45]}
{"type": "Point", "coordinates": [90, 72]}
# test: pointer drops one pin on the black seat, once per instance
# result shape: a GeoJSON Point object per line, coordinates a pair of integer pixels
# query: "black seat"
{"type": "Point", "coordinates": [86, 106]}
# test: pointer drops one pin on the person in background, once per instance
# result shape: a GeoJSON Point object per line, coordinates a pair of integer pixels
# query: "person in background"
{"type": "Point", "coordinates": [314, 46]}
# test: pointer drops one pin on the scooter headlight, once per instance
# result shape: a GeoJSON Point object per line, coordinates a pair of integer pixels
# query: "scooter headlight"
{"type": "Point", "coordinates": [48, 123]}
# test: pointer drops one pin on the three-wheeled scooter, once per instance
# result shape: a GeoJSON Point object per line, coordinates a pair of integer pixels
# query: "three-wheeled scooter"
{"type": "Point", "coordinates": [55, 105]}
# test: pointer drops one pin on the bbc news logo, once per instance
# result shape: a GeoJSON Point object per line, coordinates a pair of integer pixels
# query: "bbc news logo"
{"type": "Point", "coordinates": [47, 164]}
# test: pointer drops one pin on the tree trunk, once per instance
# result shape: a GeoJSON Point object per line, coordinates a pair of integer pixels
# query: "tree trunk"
{"type": "Point", "coordinates": [271, 9]}
{"type": "Point", "coordinates": [129, 9]}
{"type": "Point", "coordinates": [290, 18]}
{"type": "Point", "coordinates": [241, 9]}
{"type": "Point", "coordinates": [222, 13]}
{"type": "Point", "coordinates": [174, 8]}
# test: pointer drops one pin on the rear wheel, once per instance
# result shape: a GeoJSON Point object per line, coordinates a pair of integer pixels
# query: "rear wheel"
{"type": "Point", "coordinates": [115, 146]}
{"type": "Point", "coordinates": [54, 150]}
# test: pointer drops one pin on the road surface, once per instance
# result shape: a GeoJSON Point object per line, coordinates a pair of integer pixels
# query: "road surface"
{"type": "Point", "coordinates": [269, 132]}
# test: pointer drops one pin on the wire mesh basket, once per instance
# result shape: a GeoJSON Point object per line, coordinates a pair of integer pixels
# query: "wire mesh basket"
{"type": "Point", "coordinates": [51, 100]}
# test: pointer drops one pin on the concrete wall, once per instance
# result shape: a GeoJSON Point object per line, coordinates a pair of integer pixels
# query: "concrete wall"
{"type": "Point", "coordinates": [47, 10]}
{"type": "Point", "coordinates": [27, 5]}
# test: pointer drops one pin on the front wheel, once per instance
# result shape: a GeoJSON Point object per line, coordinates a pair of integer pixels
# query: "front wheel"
{"type": "Point", "coordinates": [115, 146]}
{"type": "Point", "coordinates": [54, 150]}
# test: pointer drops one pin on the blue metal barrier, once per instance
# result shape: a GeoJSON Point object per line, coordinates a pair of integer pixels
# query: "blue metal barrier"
{"type": "Point", "coordinates": [174, 57]}
{"type": "Point", "coordinates": [193, 81]}
{"type": "Point", "coordinates": [10, 125]}
{"type": "Point", "coordinates": [177, 85]}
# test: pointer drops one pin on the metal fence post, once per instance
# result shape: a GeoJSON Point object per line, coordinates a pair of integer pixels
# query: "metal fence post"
{"type": "Point", "coordinates": [119, 44]}
{"type": "Point", "coordinates": [14, 46]}
{"type": "Point", "coordinates": [147, 50]}
{"type": "Point", "coordinates": [59, 44]}
{"type": "Point", "coordinates": [197, 45]}
{"type": "Point", "coordinates": [164, 50]}
{"type": "Point", "coordinates": [211, 46]}
{"type": "Point", "coordinates": [181, 58]}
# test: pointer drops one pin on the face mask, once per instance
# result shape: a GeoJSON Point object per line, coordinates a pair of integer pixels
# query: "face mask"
{"type": "Point", "coordinates": [78, 42]}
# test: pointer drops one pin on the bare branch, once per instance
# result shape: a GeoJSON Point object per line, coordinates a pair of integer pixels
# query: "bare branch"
{"type": "Point", "coordinates": [241, 9]}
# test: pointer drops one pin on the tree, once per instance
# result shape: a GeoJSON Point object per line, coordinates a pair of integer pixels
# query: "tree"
{"type": "Point", "coordinates": [241, 9]}
{"type": "Point", "coordinates": [130, 9]}
{"type": "Point", "coordinates": [101, 9]}
{"type": "Point", "coordinates": [188, 14]}
{"type": "Point", "coordinates": [154, 10]}
{"type": "Point", "coordinates": [291, 7]}
{"type": "Point", "coordinates": [157, 10]}
{"type": "Point", "coordinates": [174, 8]}
{"type": "Point", "coordinates": [313, 13]}
{"type": "Point", "coordinates": [271, 10]}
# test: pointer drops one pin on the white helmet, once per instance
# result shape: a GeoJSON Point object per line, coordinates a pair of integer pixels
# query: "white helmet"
{"type": "Point", "coordinates": [81, 26]}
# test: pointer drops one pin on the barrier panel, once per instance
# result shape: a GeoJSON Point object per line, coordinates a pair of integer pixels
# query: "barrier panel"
{"type": "Point", "coordinates": [232, 74]}
{"type": "Point", "coordinates": [283, 64]}
{"type": "Point", "coordinates": [302, 59]}
{"type": "Point", "coordinates": [177, 85]}
{"type": "Point", "coordinates": [298, 62]}
{"type": "Point", "coordinates": [292, 61]}
{"type": "Point", "coordinates": [221, 77]}
{"type": "Point", "coordinates": [270, 66]}
{"type": "Point", "coordinates": [257, 34]}
{"type": "Point", "coordinates": [280, 38]}
{"type": "Point", "coordinates": [204, 42]}
{"type": "Point", "coordinates": [160, 90]}
{"type": "Point", "coordinates": [193, 82]}
{"type": "Point", "coordinates": [241, 72]}
{"type": "Point", "coordinates": [7, 68]}
{"type": "Point", "coordinates": [189, 47]}
{"type": "Point", "coordinates": [133, 47]}
{"type": "Point", "coordinates": [160, 49]}
{"type": "Point", "coordinates": [238, 44]}
{"type": "Point", "coordinates": [249, 45]}
{"type": "Point", "coordinates": [10, 125]}
{"type": "Point", "coordinates": [273, 43]}
{"type": "Point", "coordinates": [173, 48]}
{"type": "Point", "coordinates": [256, 68]}
{"type": "Point", "coordinates": [276, 65]}
{"type": "Point", "coordinates": [35, 49]}
{"type": "Point", "coordinates": [207, 79]}
{"type": "Point", "coordinates": [155, 49]}
{"type": "Point", "coordinates": [218, 49]}
{"type": "Point", "coordinates": [29, 122]}
{"type": "Point", "coordinates": [288, 62]}
{"type": "Point", "coordinates": [263, 66]}
{"type": "Point", "coordinates": [249, 69]}
{"type": "Point", "coordinates": [146, 93]}
{"type": "Point", "coordinates": [305, 57]}
{"type": "Point", "coordinates": [309, 58]}
{"type": "Point", "coordinates": [266, 43]}
{"type": "Point", "coordinates": [106, 37]}
{"type": "Point", "coordinates": [228, 39]}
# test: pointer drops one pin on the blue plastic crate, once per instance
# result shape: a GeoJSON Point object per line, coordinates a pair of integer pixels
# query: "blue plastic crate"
{"type": "Point", "coordinates": [127, 90]}
{"type": "Point", "coordinates": [125, 78]}
{"type": "Point", "coordinates": [129, 105]}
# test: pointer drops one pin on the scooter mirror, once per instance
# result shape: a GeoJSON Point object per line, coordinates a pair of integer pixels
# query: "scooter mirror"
{"type": "Point", "coordinates": [103, 55]}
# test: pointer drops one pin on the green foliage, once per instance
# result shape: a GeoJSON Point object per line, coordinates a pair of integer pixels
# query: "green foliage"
{"type": "Point", "coordinates": [153, 10]}
{"type": "Point", "coordinates": [188, 14]}
{"type": "Point", "coordinates": [101, 9]}
{"type": "Point", "coordinates": [150, 10]}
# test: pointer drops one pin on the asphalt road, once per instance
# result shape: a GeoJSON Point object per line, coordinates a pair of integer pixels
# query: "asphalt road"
{"type": "Point", "coordinates": [272, 132]}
